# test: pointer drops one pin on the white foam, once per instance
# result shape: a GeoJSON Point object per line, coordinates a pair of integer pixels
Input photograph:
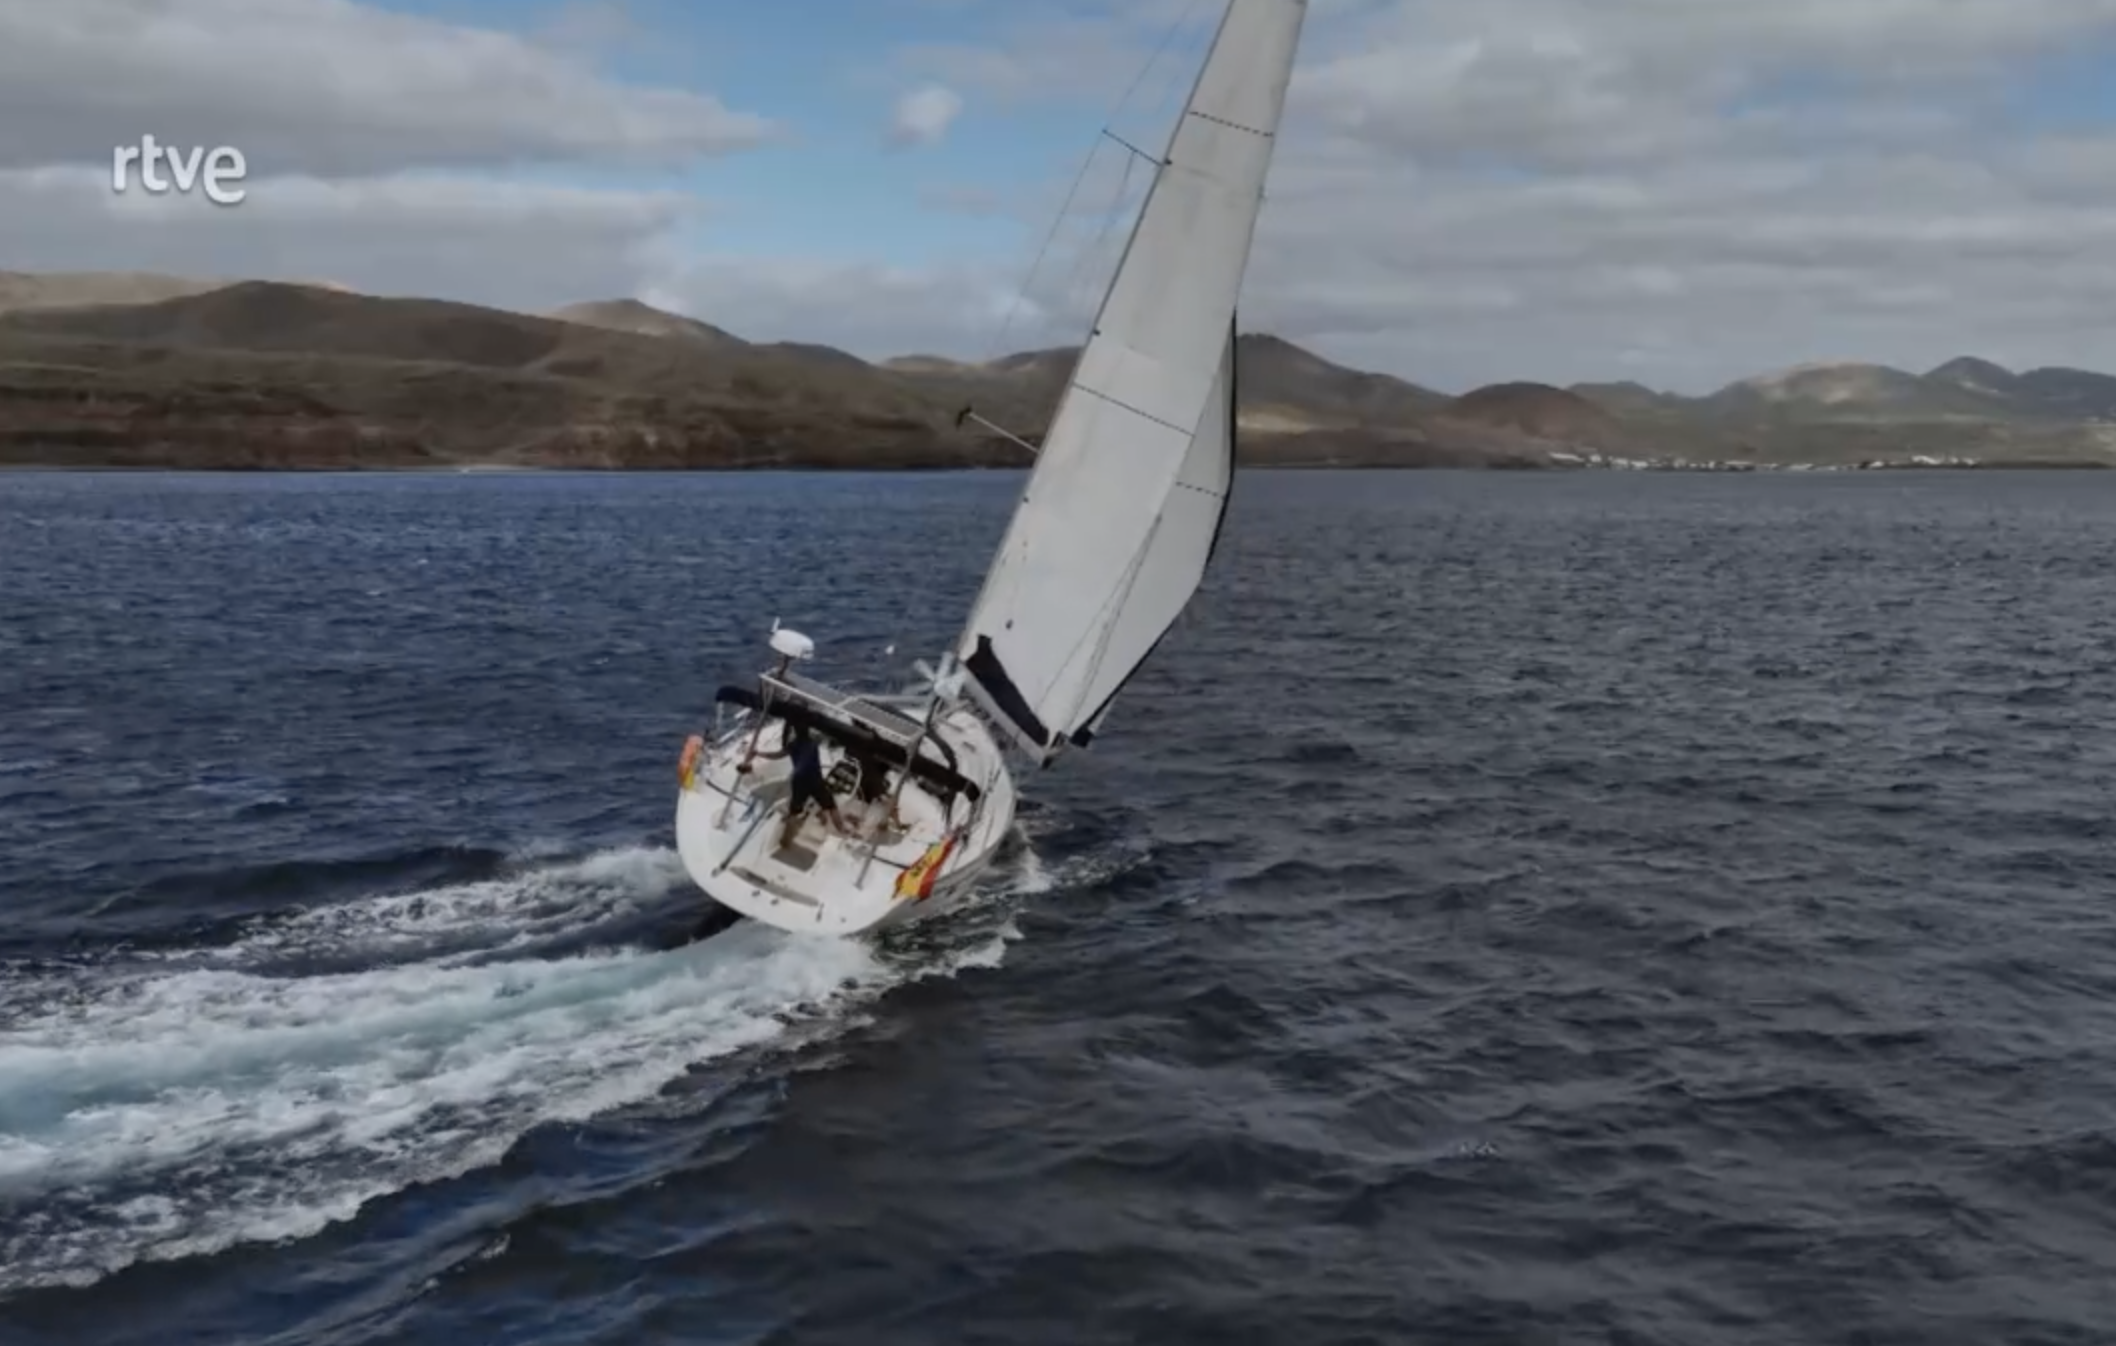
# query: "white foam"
{"type": "Point", "coordinates": [474, 919]}
{"type": "Point", "coordinates": [176, 1112]}
{"type": "Point", "coordinates": [987, 955]}
{"type": "Point", "coordinates": [1034, 877]}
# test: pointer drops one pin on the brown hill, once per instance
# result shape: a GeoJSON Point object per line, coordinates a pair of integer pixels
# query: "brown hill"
{"type": "Point", "coordinates": [1275, 375]}
{"type": "Point", "coordinates": [1851, 391]}
{"type": "Point", "coordinates": [266, 374]}
{"type": "Point", "coordinates": [820, 355]}
{"type": "Point", "coordinates": [630, 315]}
{"type": "Point", "coordinates": [1537, 410]}
{"type": "Point", "coordinates": [267, 317]}
{"type": "Point", "coordinates": [1282, 389]}
{"type": "Point", "coordinates": [2052, 391]}
{"type": "Point", "coordinates": [237, 375]}
{"type": "Point", "coordinates": [925, 364]}
{"type": "Point", "coordinates": [1629, 398]}
{"type": "Point", "coordinates": [1052, 363]}
{"type": "Point", "coordinates": [1976, 376]}
{"type": "Point", "coordinates": [1280, 385]}
{"type": "Point", "coordinates": [259, 372]}
{"type": "Point", "coordinates": [21, 290]}
{"type": "Point", "coordinates": [643, 319]}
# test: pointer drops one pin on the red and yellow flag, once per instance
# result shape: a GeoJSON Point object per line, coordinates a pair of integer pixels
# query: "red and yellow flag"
{"type": "Point", "coordinates": [916, 882]}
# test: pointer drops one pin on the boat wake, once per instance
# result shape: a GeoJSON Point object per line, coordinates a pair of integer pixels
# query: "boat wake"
{"type": "Point", "coordinates": [173, 1104]}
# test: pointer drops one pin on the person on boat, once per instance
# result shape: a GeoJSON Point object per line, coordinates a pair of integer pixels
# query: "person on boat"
{"type": "Point", "coordinates": [873, 789]}
{"type": "Point", "coordinates": [809, 787]}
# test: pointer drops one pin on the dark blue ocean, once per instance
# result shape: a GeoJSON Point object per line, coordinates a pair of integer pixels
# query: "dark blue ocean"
{"type": "Point", "coordinates": [1513, 908]}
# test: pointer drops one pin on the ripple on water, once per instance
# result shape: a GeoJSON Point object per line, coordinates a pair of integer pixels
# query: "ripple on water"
{"type": "Point", "coordinates": [1511, 909]}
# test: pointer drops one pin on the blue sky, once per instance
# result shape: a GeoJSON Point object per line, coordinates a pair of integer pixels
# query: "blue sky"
{"type": "Point", "coordinates": [1681, 191]}
{"type": "Point", "coordinates": [830, 72]}
{"type": "Point", "coordinates": [2074, 90]}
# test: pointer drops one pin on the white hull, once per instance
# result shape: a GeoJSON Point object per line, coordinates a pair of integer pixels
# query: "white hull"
{"type": "Point", "coordinates": [728, 828]}
{"type": "Point", "coordinates": [1105, 549]}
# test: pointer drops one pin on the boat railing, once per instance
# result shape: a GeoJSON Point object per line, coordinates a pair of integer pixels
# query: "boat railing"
{"type": "Point", "coordinates": [747, 833]}
{"type": "Point", "coordinates": [721, 790]}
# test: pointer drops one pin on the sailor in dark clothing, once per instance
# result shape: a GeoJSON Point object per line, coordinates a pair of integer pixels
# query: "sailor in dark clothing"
{"type": "Point", "coordinates": [872, 790]}
{"type": "Point", "coordinates": [808, 785]}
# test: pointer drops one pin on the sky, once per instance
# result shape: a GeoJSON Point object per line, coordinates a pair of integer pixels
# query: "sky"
{"type": "Point", "coordinates": [1678, 192]}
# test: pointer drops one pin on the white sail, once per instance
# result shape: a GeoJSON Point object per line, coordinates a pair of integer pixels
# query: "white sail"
{"type": "Point", "coordinates": [1173, 561]}
{"type": "Point", "coordinates": [1111, 537]}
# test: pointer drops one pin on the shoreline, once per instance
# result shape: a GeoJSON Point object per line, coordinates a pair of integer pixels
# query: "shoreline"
{"type": "Point", "coordinates": [262, 376]}
{"type": "Point", "coordinates": [843, 469]}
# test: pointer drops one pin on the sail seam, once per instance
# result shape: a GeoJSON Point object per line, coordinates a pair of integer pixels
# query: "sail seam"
{"type": "Point", "coordinates": [1230, 125]}
{"type": "Point", "coordinates": [1126, 406]}
{"type": "Point", "coordinates": [1097, 486]}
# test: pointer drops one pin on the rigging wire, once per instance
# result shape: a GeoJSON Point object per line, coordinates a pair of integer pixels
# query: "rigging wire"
{"type": "Point", "coordinates": [993, 347]}
{"type": "Point", "coordinates": [1092, 255]}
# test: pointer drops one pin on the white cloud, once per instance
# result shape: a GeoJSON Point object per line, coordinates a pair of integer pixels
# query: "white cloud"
{"type": "Point", "coordinates": [1699, 189]}
{"type": "Point", "coordinates": [511, 245]}
{"type": "Point", "coordinates": [325, 87]}
{"type": "Point", "coordinates": [1681, 191]}
{"type": "Point", "coordinates": [867, 308]}
{"type": "Point", "coordinates": [923, 116]}
{"type": "Point", "coordinates": [1070, 50]}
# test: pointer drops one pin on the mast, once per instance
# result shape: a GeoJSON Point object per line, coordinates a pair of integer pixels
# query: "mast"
{"type": "Point", "coordinates": [1094, 329]}
{"type": "Point", "coordinates": [1126, 500]}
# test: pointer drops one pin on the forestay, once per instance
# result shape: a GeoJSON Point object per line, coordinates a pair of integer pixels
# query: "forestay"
{"type": "Point", "coordinates": [1120, 516]}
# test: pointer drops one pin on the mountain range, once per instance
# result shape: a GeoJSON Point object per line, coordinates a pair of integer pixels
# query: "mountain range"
{"type": "Point", "coordinates": [138, 369]}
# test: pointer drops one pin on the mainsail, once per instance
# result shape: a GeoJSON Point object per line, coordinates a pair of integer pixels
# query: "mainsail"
{"type": "Point", "coordinates": [1124, 505]}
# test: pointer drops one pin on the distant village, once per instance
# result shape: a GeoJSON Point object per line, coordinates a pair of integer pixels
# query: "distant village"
{"type": "Point", "coordinates": [1614, 463]}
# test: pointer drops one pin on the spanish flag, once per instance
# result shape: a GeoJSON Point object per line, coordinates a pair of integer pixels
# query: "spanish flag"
{"type": "Point", "coordinates": [916, 882]}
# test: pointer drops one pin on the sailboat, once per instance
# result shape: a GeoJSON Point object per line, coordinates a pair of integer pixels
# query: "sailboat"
{"type": "Point", "coordinates": [1110, 540]}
